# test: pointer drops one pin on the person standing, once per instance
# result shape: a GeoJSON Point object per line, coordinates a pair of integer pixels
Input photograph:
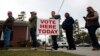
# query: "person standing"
{"type": "Point", "coordinates": [32, 26]}
{"type": "Point", "coordinates": [67, 25]}
{"type": "Point", "coordinates": [54, 37]}
{"type": "Point", "coordinates": [7, 29]}
{"type": "Point", "coordinates": [92, 24]}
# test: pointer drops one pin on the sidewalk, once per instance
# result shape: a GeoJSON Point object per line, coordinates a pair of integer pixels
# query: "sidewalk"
{"type": "Point", "coordinates": [86, 51]}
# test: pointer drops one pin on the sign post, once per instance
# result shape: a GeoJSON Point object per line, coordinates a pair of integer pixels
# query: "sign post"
{"type": "Point", "coordinates": [47, 27]}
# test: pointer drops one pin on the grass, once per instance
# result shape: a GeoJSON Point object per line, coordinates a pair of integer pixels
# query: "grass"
{"type": "Point", "coordinates": [34, 53]}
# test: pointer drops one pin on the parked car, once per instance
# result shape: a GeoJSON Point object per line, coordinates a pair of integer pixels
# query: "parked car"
{"type": "Point", "coordinates": [62, 43]}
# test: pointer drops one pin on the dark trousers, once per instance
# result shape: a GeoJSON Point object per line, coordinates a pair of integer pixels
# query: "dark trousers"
{"type": "Point", "coordinates": [70, 40]}
{"type": "Point", "coordinates": [54, 41]}
{"type": "Point", "coordinates": [33, 36]}
{"type": "Point", "coordinates": [0, 34]}
{"type": "Point", "coordinates": [11, 36]}
{"type": "Point", "coordinates": [92, 34]}
{"type": "Point", "coordinates": [1, 41]}
{"type": "Point", "coordinates": [7, 35]}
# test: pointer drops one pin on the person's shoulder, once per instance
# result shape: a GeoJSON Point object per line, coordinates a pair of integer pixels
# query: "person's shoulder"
{"type": "Point", "coordinates": [13, 18]}
{"type": "Point", "coordinates": [30, 18]}
{"type": "Point", "coordinates": [70, 17]}
{"type": "Point", "coordinates": [95, 12]}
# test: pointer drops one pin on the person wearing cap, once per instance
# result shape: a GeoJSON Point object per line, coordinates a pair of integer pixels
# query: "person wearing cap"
{"type": "Point", "coordinates": [32, 26]}
{"type": "Point", "coordinates": [7, 29]}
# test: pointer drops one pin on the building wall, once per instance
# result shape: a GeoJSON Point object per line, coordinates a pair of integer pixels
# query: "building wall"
{"type": "Point", "coordinates": [19, 34]}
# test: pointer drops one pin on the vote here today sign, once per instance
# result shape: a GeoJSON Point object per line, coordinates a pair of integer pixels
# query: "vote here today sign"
{"type": "Point", "coordinates": [48, 26]}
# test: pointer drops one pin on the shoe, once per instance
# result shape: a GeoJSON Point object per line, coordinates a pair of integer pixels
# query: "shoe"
{"type": "Point", "coordinates": [95, 49]}
{"type": "Point", "coordinates": [55, 48]}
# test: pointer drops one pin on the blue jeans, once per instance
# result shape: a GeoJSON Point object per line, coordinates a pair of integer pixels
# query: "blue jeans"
{"type": "Point", "coordinates": [7, 33]}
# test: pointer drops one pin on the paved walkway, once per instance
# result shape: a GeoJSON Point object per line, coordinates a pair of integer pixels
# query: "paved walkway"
{"type": "Point", "coordinates": [86, 51]}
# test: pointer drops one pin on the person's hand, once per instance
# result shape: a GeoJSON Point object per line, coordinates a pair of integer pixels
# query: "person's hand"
{"type": "Point", "coordinates": [30, 19]}
{"type": "Point", "coordinates": [84, 17]}
{"type": "Point", "coordinates": [88, 18]}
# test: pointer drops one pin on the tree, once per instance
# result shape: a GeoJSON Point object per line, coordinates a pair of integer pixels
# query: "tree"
{"type": "Point", "coordinates": [76, 30]}
{"type": "Point", "coordinates": [84, 37]}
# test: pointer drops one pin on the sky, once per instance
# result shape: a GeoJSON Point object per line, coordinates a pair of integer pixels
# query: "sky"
{"type": "Point", "coordinates": [76, 8]}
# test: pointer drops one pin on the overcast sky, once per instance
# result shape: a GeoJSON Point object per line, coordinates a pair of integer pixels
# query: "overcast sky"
{"type": "Point", "coordinates": [76, 8]}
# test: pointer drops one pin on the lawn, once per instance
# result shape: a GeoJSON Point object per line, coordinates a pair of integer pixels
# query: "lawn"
{"type": "Point", "coordinates": [34, 53]}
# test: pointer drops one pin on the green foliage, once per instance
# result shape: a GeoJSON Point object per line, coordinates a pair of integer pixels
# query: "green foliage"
{"type": "Point", "coordinates": [79, 34]}
{"type": "Point", "coordinates": [84, 38]}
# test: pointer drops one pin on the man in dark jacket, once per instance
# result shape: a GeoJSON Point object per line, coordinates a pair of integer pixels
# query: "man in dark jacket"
{"type": "Point", "coordinates": [67, 25]}
{"type": "Point", "coordinates": [7, 29]}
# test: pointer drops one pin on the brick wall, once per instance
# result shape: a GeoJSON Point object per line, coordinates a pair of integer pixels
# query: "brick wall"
{"type": "Point", "coordinates": [19, 33]}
